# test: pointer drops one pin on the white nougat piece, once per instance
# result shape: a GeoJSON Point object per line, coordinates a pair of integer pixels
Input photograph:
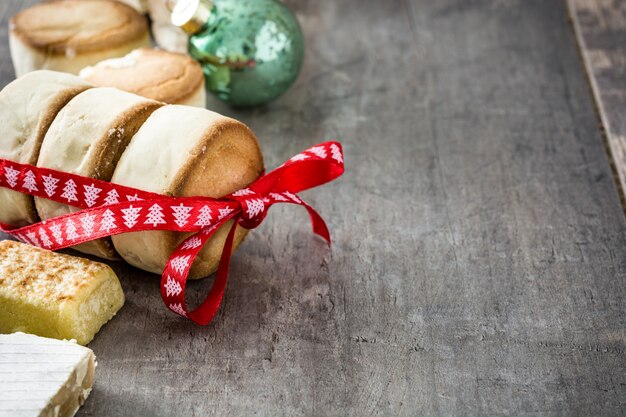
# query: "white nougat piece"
{"type": "Point", "coordinates": [41, 377]}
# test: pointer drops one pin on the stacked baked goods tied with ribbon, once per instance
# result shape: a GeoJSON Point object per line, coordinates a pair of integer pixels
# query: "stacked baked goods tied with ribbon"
{"type": "Point", "coordinates": [170, 189]}
{"type": "Point", "coordinates": [105, 133]}
{"type": "Point", "coordinates": [123, 163]}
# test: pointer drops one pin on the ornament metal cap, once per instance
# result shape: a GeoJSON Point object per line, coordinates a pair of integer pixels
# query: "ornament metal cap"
{"type": "Point", "coordinates": [191, 15]}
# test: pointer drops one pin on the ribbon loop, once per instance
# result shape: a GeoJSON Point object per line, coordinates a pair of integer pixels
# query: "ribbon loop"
{"type": "Point", "coordinates": [253, 207]}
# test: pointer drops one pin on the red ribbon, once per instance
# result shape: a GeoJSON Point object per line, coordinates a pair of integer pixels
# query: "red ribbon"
{"type": "Point", "coordinates": [110, 209]}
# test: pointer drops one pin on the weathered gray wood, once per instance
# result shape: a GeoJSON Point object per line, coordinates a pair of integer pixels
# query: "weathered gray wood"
{"type": "Point", "coordinates": [600, 26]}
{"type": "Point", "coordinates": [479, 255]}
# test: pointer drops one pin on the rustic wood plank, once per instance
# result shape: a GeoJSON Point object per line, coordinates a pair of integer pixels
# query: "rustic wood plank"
{"type": "Point", "coordinates": [479, 260]}
{"type": "Point", "coordinates": [600, 27]}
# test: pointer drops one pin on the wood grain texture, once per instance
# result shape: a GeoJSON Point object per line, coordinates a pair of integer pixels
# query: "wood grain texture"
{"type": "Point", "coordinates": [479, 256]}
{"type": "Point", "coordinates": [600, 27]}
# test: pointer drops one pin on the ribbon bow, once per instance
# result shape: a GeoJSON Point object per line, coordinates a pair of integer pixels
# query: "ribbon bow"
{"type": "Point", "coordinates": [110, 209]}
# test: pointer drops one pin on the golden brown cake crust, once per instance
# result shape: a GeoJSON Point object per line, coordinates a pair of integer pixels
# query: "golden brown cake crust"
{"type": "Point", "coordinates": [109, 151]}
{"type": "Point", "coordinates": [178, 77]}
{"type": "Point", "coordinates": [61, 27]}
{"type": "Point", "coordinates": [55, 295]}
{"type": "Point", "coordinates": [60, 101]}
{"type": "Point", "coordinates": [48, 115]}
{"type": "Point", "coordinates": [190, 180]}
{"type": "Point", "coordinates": [105, 152]}
{"type": "Point", "coordinates": [47, 274]}
{"type": "Point", "coordinates": [226, 136]}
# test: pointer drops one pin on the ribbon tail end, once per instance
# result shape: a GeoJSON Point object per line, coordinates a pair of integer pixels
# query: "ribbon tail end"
{"type": "Point", "coordinates": [319, 225]}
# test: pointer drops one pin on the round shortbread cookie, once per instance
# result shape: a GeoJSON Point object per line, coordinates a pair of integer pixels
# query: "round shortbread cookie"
{"type": "Point", "coordinates": [185, 151]}
{"type": "Point", "coordinates": [68, 35]}
{"type": "Point", "coordinates": [153, 73]}
{"type": "Point", "coordinates": [27, 107]}
{"type": "Point", "coordinates": [87, 137]}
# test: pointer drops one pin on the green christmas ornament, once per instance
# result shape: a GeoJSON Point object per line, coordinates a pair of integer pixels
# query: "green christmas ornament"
{"type": "Point", "coordinates": [251, 51]}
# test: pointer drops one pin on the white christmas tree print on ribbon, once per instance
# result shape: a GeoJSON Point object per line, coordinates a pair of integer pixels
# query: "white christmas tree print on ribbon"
{"type": "Point", "coordinates": [91, 194]}
{"type": "Point", "coordinates": [131, 214]}
{"type": "Point", "coordinates": [56, 233]}
{"type": "Point", "coordinates": [69, 191]}
{"type": "Point", "coordinates": [242, 192]}
{"type": "Point", "coordinates": [178, 308]}
{"type": "Point", "coordinates": [112, 197]}
{"type": "Point", "coordinates": [45, 240]}
{"type": "Point", "coordinates": [292, 197]}
{"type": "Point", "coordinates": [204, 218]}
{"type": "Point", "coordinates": [336, 153]}
{"type": "Point", "coordinates": [30, 183]}
{"type": "Point", "coordinates": [181, 214]}
{"type": "Point", "coordinates": [32, 236]}
{"type": "Point", "coordinates": [278, 197]}
{"type": "Point", "coordinates": [209, 230]}
{"type": "Point", "coordinates": [88, 222]}
{"type": "Point", "coordinates": [172, 287]}
{"type": "Point", "coordinates": [11, 174]}
{"type": "Point", "coordinates": [319, 151]}
{"type": "Point", "coordinates": [192, 243]}
{"type": "Point", "coordinates": [224, 212]}
{"type": "Point", "coordinates": [133, 198]}
{"type": "Point", "coordinates": [50, 184]}
{"type": "Point", "coordinates": [108, 221]}
{"type": "Point", "coordinates": [255, 206]}
{"type": "Point", "coordinates": [180, 263]}
{"type": "Point", "coordinates": [299, 157]}
{"type": "Point", "coordinates": [71, 230]}
{"type": "Point", "coordinates": [155, 215]}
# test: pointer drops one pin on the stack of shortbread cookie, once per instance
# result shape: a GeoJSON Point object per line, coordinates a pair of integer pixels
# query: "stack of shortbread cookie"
{"type": "Point", "coordinates": [108, 42]}
{"type": "Point", "coordinates": [69, 35]}
{"type": "Point", "coordinates": [59, 121]}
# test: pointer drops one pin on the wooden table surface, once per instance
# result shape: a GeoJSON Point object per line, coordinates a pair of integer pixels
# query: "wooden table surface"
{"type": "Point", "coordinates": [479, 256]}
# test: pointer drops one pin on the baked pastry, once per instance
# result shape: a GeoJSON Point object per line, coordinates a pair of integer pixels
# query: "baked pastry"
{"type": "Point", "coordinates": [68, 35]}
{"type": "Point", "coordinates": [55, 295]}
{"type": "Point", "coordinates": [166, 35]}
{"type": "Point", "coordinates": [87, 138]}
{"type": "Point", "coordinates": [27, 107]}
{"type": "Point", "coordinates": [153, 73]}
{"type": "Point", "coordinates": [43, 377]}
{"type": "Point", "coordinates": [185, 151]}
